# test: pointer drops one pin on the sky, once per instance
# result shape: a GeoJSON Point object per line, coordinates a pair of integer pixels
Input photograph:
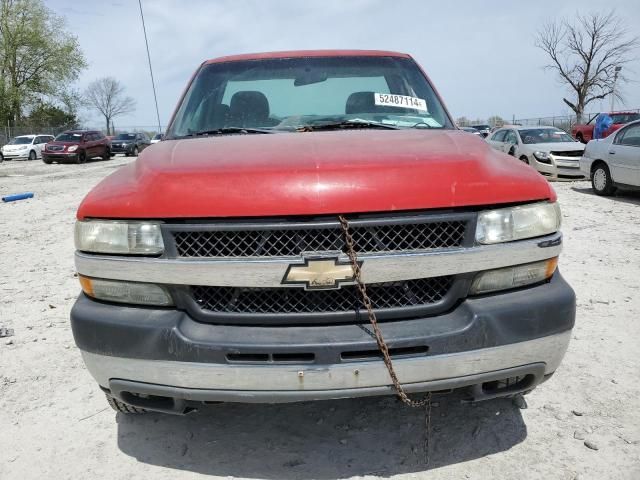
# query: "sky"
{"type": "Point", "coordinates": [480, 55]}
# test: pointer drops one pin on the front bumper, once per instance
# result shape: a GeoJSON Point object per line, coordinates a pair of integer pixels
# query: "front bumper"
{"type": "Point", "coordinates": [167, 355]}
{"type": "Point", "coordinates": [60, 156]}
{"type": "Point", "coordinates": [16, 155]}
{"type": "Point", "coordinates": [561, 168]}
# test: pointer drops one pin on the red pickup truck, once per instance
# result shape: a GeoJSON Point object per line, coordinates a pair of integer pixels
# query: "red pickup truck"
{"type": "Point", "coordinates": [584, 133]}
{"type": "Point", "coordinates": [300, 204]}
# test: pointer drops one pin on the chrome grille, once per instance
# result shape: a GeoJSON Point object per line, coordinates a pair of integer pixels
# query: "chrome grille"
{"type": "Point", "coordinates": [390, 295]}
{"type": "Point", "coordinates": [55, 148]}
{"type": "Point", "coordinates": [291, 242]}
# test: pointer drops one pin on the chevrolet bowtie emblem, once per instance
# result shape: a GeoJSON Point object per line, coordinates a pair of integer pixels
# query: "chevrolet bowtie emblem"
{"type": "Point", "coordinates": [319, 273]}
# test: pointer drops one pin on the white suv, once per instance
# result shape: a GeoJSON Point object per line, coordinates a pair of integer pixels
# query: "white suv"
{"type": "Point", "coordinates": [26, 147]}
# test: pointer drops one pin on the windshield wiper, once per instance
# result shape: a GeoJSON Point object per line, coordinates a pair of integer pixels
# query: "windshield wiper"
{"type": "Point", "coordinates": [344, 124]}
{"type": "Point", "coordinates": [226, 130]}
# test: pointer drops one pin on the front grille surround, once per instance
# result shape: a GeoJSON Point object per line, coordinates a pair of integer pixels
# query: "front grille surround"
{"type": "Point", "coordinates": [389, 234]}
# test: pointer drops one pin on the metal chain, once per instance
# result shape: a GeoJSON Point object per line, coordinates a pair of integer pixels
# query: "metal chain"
{"type": "Point", "coordinates": [382, 345]}
{"type": "Point", "coordinates": [351, 253]}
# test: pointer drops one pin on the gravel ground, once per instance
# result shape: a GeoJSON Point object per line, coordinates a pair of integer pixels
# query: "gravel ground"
{"type": "Point", "coordinates": [584, 423]}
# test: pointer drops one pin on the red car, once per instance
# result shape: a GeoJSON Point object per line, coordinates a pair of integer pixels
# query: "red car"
{"type": "Point", "coordinates": [77, 146]}
{"type": "Point", "coordinates": [584, 133]}
{"type": "Point", "coordinates": [307, 214]}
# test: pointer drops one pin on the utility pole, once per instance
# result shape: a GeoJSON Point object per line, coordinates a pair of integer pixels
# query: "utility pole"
{"type": "Point", "coordinates": [613, 90]}
{"type": "Point", "coordinates": [153, 83]}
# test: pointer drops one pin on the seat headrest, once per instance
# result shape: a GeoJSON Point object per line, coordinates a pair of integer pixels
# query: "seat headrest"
{"type": "Point", "coordinates": [360, 102]}
{"type": "Point", "coordinates": [248, 108]}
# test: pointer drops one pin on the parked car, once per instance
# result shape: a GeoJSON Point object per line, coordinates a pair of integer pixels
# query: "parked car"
{"type": "Point", "coordinates": [483, 129]}
{"type": "Point", "coordinates": [77, 146]}
{"type": "Point", "coordinates": [129, 143]}
{"type": "Point", "coordinates": [471, 130]}
{"type": "Point", "coordinates": [614, 162]}
{"type": "Point", "coordinates": [584, 132]}
{"type": "Point", "coordinates": [229, 262]}
{"type": "Point", "coordinates": [157, 138]}
{"type": "Point", "coordinates": [551, 151]}
{"type": "Point", "coordinates": [25, 147]}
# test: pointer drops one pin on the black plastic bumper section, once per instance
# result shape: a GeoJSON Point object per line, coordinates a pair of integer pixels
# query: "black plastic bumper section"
{"type": "Point", "coordinates": [169, 334]}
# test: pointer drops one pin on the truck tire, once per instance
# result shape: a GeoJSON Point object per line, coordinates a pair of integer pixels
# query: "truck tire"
{"type": "Point", "coordinates": [601, 180]}
{"type": "Point", "coordinates": [32, 155]}
{"type": "Point", "coordinates": [524, 159]}
{"type": "Point", "coordinates": [121, 407]}
{"type": "Point", "coordinates": [107, 154]}
{"type": "Point", "coordinates": [135, 151]}
{"type": "Point", "coordinates": [81, 157]}
{"type": "Point", "coordinates": [47, 161]}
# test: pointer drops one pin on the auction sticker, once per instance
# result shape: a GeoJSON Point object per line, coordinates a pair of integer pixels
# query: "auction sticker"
{"type": "Point", "coordinates": [404, 101]}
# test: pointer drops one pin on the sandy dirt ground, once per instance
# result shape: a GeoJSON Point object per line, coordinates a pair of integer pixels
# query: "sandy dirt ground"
{"type": "Point", "coordinates": [54, 422]}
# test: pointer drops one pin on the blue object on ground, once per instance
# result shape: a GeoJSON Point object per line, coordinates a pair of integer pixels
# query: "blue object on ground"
{"type": "Point", "coordinates": [17, 196]}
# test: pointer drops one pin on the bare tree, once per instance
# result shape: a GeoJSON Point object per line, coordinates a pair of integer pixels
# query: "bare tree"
{"type": "Point", "coordinates": [107, 96]}
{"type": "Point", "coordinates": [585, 53]}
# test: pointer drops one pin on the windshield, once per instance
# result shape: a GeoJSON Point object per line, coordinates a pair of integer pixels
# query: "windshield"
{"type": "Point", "coordinates": [21, 141]}
{"type": "Point", "coordinates": [293, 93]}
{"type": "Point", "coordinates": [481, 127]}
{"type": "Point", "coordinates": [625, 117]}
{"type": "Point", "coordinates": [69, 137]}
{"type": "Point", "coordinates": [545, 135]}
{"type": "Point", "coordinates": [126, 136]}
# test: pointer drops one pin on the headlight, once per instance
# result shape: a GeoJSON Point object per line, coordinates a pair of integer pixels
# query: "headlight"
{"type": "Point", "coordinates": [125, 292]}
{"type": "Point", "coordinates": [517, 223]}
{"type": "Point", "coordinates": [542, 157]}
{"type": "Point", "coordinates": [119, 237]}
{"type": "Point", "coordinates": [513, 277]}
{"type": "Point", "coordinates": [23, 147]}
{"type": "Point", "coordinates": [72, 148]}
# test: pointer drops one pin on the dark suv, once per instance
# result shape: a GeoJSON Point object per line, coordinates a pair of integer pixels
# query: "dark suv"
{"type": "Point", "coordinates": [130, 143]}
{"type": "Point", "coordinates": [76, 146]}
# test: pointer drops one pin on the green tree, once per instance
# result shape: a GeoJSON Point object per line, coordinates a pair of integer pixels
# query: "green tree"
{"type": "Point", "coordinates": [49, 115]}
{"type": "Point", "coordinates": [38, 58]}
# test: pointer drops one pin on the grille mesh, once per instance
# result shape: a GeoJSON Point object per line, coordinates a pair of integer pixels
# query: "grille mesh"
{"type": "Point", "coordinates": [292, 242]}
{"type": "Point", "coordinates": [575, 153]}
{"type": "Point", "coordinates": [387, 295]}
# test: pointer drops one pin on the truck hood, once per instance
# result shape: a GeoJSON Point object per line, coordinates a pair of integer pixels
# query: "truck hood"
{"type": "Point", "coordinates": [313, 173]}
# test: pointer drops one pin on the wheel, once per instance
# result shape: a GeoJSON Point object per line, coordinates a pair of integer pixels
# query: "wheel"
{"type": "Point", "coordinates": [46, 160]}
{"type": "Point", "coordinates": [135, 151]}
{"type": "Point", "coordinates": [1, 158]}
{"type": "Point", "coordinates": [107, 155]}
{"type": "Point", "coordinates": [601, 180]}
{"type": "Point", "coordinates": [580, 138]}
{"type": "Point", "coordinates": [81, 157]}
{"type": "Point", "coordinates": [32, 155]}
{"type": "Point", "coordinates": [512, 151]}
{"type": "Point", "coordinates": [524, 159]}
{"type": "Point", "coordinates": [121, 407]}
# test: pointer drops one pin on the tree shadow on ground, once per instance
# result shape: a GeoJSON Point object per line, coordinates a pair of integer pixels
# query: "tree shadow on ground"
{"type": "Point", "coordinates": [323, 440]}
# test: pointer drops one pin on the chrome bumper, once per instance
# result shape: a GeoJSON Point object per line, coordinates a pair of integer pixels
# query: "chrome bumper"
{"type": "Point", "coordinates": [256, 383]}
{"type": "Point", "coordinates": [249, 272]}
